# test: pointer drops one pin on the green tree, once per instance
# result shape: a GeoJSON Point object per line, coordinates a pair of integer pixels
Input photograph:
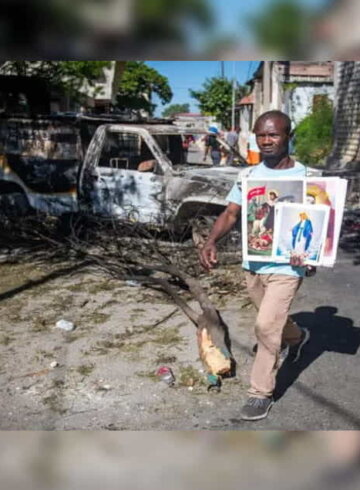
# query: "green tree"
{"type": "Point", "coordinates": [138, 84]}
{"type": "Point", "coordinates": [69, 76]}
{"type": "Point", "coordinates": [173, 109]}
{"type": "Point", "coordinates": [314, 134]}
{"type": "Point", "coordinates": [283, 28]}
{"type": "Point", "coordinates": [215, 99]}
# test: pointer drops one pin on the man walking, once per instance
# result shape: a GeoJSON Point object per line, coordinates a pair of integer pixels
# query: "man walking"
{"type": "Point", "coordinates": [271, 287]}
{"type": "Point", "coordinates": [212, 144]}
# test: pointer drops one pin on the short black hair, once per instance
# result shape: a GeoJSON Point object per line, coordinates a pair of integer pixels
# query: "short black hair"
{"type": "Point", "coordinates": [277, 115]}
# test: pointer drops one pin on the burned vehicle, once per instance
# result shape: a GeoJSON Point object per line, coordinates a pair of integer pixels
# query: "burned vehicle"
{"type": "Point", "coordinates": [102, 167]}
{"type": "Point", "coordinates": [140, 173]}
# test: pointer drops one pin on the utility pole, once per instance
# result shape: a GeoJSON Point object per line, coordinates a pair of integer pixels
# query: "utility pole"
{"type": "Point", "coordinates": [266, 88]}
{"type": "Point", "coordinates": [222, 64]}
{"type": "Point", "coordinates": [233, 98]}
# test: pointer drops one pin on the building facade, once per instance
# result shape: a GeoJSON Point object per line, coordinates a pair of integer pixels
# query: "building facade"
{"type": "Point", "coordinates": [346, 148]}
{"type": "Point", "coordinates": [290, 86]}
{"type": "Point", "coordinates": [192, 121]}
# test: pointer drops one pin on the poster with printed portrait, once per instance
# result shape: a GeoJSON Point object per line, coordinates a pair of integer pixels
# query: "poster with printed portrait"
{"type": "Point", "coordinates": [330, 191]}
{"type": "Point", "coordinates": [300, 229]}
{"type": "Point", "coordinates": [258, 218]}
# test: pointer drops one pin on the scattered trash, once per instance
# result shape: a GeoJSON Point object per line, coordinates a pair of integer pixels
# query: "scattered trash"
{"type": "Point", "coordinates": [214, 383]}
{"type": "Point", "coordinates": [99, 385]}
{"type": "Point", "coordinates": [191, 388]}
{"type": "Point", "coordinates": [165, 374]}
{"type": "Point", "coordinates": [103, 388]}
{"type": "Point", "coordinates": [132, 283]}
{"type": "Point", "coordinates": [65, 325]}
{"type": "Point", "coordinates": [54, 364]}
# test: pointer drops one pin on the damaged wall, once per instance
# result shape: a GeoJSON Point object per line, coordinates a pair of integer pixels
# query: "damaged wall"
{"type": "Point", "coordinates": [346, 149]}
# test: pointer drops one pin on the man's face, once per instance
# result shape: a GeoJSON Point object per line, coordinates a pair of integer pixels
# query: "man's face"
{"type": "Point", "coordinates": [272, 138]}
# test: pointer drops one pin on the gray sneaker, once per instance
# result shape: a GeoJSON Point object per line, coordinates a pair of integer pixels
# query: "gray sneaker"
{"type": "Point", "coordinates": [285, 349]}
{"type": "Point", "coordinates": [256, 408]}
{"type": "Point", "coordinates": [295, 350]}
{"type": "Point", "coordinates": [291, 351]}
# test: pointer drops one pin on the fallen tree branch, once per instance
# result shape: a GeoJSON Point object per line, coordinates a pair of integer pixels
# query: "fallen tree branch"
{"type": "Point", "coordinates": [105, 249]}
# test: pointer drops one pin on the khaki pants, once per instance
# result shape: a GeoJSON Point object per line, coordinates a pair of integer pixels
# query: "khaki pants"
{"type": "Point", "coordinates": [272, 295]}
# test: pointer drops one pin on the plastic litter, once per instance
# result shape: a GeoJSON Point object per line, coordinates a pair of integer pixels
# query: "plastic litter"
{"type": "Point", "coordinates": [165, 374]}
{"type": "Point", "coordinates": [65, 325]}
{"type": "Point", "coordinates": [132, 283]}
{"type": "Point", "coordinates": [214, 383]}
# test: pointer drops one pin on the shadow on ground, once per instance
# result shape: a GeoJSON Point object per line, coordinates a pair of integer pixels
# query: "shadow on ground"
{"type": "Point", "coordinates": [329, 333]}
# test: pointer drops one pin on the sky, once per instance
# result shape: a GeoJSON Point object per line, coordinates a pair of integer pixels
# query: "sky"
{"type": "Point", "coordinates": [231, 18]}
{"type": "Point", "coordinates": [184, 75]}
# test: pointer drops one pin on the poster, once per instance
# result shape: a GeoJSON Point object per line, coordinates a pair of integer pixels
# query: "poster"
{"type": "Point", "coordinates": [330, 191]}
{"type": "Point", "coordinates": [301, 229]}
{"type": "Point", "coordinates": [258, 219]}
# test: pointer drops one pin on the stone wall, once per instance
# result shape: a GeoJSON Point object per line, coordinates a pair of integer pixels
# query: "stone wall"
{"type": "Point", "coordinates": [346, 150]}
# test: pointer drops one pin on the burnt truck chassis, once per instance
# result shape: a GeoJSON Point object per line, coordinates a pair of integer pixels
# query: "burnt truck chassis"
{"type": "Point", "coordinates": [50, 165]}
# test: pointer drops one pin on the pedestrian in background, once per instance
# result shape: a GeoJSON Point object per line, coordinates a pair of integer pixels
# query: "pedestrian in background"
{"type": "Point", "coordinates": [232, 139]}
{"type": "Point", "coordinates": [212, 145]}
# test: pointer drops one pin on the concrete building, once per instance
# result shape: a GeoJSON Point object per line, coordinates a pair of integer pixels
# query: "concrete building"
{"type": "Point", "coordinates": [97, 97]}
{"type": "Point", "coordinates": [346, 149]}
{"type": "Point", "coordinates": [191, 120]}
{"type": "Point", "coordinates": [289, 86]}
{"type": "Point", "coordinates": [102, 94]}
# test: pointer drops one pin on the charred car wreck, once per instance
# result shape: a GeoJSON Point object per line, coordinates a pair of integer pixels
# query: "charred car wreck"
{"type": "Point", "coordinates": [108, 168]}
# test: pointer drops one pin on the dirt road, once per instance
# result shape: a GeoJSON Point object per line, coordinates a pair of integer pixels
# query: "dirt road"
{"type": "Point", "coordinates": [105, 369]}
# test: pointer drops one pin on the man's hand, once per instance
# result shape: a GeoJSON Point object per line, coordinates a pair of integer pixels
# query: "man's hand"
{"type": "Point", "coordinates": [222, 225]}
{"type": "Point", "coordinates": [208, 255]}
{"type": "Point", "coordinates": [297, 260]}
